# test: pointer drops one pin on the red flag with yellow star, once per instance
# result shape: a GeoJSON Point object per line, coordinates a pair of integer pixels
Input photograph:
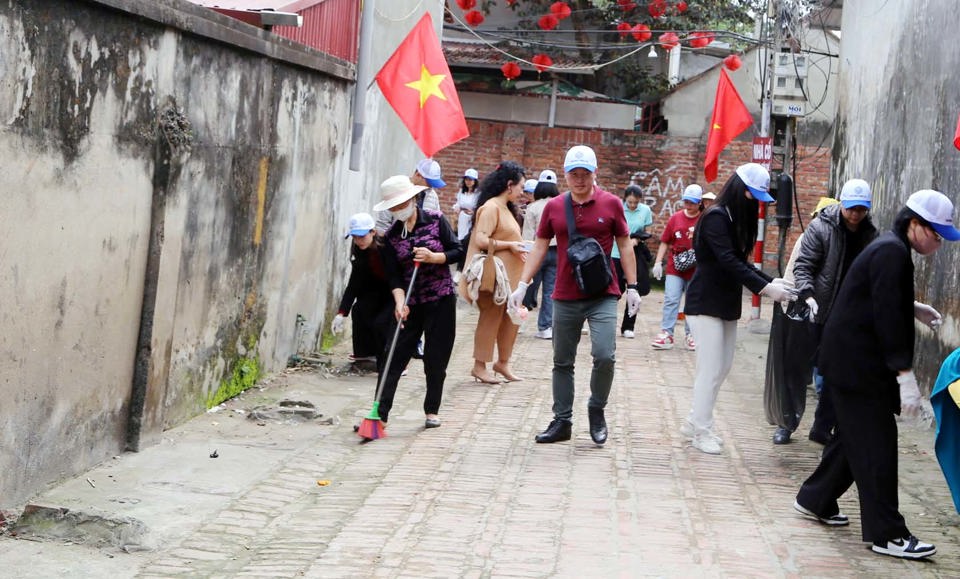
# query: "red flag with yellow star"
{"type": "Point", "coordinates": [417, 83]}
{"type": "Point", "coordinates": [730, 118]}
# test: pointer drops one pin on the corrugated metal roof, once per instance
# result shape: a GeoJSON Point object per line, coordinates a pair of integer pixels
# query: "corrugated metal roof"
{"type": "Point", "coordinates": [276, 5]}
{"type": "Point", "coordinates": [331, 26]}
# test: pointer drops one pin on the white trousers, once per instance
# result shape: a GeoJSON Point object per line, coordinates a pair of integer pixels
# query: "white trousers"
{"type": "Point", "coordinates": [716, 342]}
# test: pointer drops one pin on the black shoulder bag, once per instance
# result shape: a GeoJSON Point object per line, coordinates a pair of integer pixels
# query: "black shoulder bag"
{"type": "Point", "coordinates": [591, 266]}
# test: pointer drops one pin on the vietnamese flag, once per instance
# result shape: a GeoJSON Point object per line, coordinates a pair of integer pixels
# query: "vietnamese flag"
{"type": "Point", "coordinates": [730, 118]}
{"type": "Point", "coordinates": [417, 83]}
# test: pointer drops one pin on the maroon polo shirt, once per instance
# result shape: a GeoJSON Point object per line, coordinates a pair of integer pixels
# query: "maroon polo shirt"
{"type": "Point", "coordinates": [600, 217]}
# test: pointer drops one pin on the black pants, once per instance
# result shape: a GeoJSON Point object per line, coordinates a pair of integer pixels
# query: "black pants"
{"type": "Point", "coordinates": [629, 322]}
{"type": "Point", "coordinates": [437, 322]}
{"type": "Point", "coordinates": [824, 417]}
{"type": "Point", "coordinates": [863, 451]}
{"type": "Point", "coordinates": [371, 314]}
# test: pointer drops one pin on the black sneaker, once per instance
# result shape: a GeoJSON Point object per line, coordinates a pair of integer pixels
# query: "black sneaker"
{"type": "Point", "coordinates": [908, 547]}
{"type": "Point", "coordinates": [820, 437]}
{"type": "Point", "coordinates": [837, 520]}
{"type": "Point", "coordinates": [598, 425]}
{"type": "Point", "coordinates": [558, 431]}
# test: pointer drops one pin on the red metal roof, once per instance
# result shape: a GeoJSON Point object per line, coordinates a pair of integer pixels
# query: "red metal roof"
{"type": "Point", "coordinates": [331, 26]}
{"type": "Point", "coordinates": [277, 5]}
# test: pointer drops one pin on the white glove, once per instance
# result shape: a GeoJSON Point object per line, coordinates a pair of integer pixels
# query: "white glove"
{"type": "Point", "coordinates": [633, 302]}
{"type": "Point", "coordinates": [658, 270]}
{"type": "Point", "coordinates": [784, 282]}
{"type": "Point", "coordinates": [909, 394]}
{"type": "Point", "coordinates": [337, 326]}
{"type": "Point", "coordinates": [516, 298]}
{"type": "Point", "coordinates": [778, 293]}
{"type": "Point", "coordinates": [814, 307]}
{"type": "Point", "coordinates": [927, 315]}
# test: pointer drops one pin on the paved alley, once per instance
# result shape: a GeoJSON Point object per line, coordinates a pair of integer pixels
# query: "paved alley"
{"type": "Point", "coordinates": [477, 497]}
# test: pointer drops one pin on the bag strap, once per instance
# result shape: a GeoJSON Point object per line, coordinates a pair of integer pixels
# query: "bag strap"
{"type": "Point", "coordinates": [571, 222]}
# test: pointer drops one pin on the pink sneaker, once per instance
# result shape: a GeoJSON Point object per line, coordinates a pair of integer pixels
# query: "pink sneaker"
{"type": "Point", "coordinates": [663, 342]}
{"type": "Point", "coordinates": [691, 345]}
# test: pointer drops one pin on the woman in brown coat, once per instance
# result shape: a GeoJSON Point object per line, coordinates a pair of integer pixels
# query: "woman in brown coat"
{"type": "Point", "coordinates": [496, 230]}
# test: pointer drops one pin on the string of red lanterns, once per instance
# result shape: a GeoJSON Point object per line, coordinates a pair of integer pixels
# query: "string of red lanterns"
{"type": "Point", "coordinates": [640, 32]}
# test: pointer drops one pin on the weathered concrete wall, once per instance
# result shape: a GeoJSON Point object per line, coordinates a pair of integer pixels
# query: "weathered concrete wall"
{"type": "Point", "coordinates": [172, 177]}
{"type": "Point", "coordinates": [897, 110]}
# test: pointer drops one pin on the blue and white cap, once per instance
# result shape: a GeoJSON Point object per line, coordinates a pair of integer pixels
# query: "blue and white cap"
{"type": "Point", "coordinates": [757, 180]}
{"type": "Point", "coordinates": [580, 157]}
{"type": "Point", "coordinates": [855, 193]}
{"type": "Point", "coordinates": [693, 193]}
{"type": "Point", "coordinates": [937, 209]}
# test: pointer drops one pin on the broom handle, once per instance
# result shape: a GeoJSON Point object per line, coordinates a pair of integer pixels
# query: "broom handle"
{"type": "Point", "coordinates": [396, 334]}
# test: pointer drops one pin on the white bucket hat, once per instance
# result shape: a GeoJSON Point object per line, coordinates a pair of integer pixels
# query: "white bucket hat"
{"type": "Point", "coordinates": [395, 190]}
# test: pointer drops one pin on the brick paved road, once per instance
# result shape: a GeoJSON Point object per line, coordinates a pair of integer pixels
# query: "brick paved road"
{"type": "Point", "coordinates": [478, 498]}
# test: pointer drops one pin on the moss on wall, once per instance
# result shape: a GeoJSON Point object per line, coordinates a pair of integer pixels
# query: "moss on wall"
{"type": "Point", "coordinates": [246, 372]}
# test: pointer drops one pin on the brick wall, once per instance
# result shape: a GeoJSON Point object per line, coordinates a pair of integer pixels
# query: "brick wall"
{"type": "Point", "coordinates": [661, 165]}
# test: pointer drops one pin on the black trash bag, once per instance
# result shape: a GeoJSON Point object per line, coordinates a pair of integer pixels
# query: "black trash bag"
{"type": "Point", "coordinates": [790, 361]}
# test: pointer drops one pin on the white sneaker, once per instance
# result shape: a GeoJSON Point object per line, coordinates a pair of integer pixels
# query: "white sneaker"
{"type": "Point", "coordinates": [688, 431]}
{"type": "Point", "coordinates": [628, 334]}
{"type": "Point", "coordinates": [908, 547]}
{"type": "Point", "coordinates": [706, 442]}
{"type": "Point", "coordinates": [545, 334]}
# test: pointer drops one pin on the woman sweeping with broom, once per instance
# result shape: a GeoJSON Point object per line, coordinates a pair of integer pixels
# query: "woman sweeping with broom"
{"type": "Point", "coordinates": [426, 239]}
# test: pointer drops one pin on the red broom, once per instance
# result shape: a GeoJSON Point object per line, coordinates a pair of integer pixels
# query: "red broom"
{"type": "Point", "coordinates": [371, 427]}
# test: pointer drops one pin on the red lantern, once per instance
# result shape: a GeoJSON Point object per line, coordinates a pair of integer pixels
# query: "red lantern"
{"type": "Point", "coordinates": [548, 22]}
{"type": "Point", "coordinates": [641, 33]}
{"type": "Point", "coordinates": [542, 62]}
{"type": "Point", "coordinates": [510, 70]}
{"type": "Point", "coordinates": [668, 40]}
{"type": "Point", "coordinates": [511, 2]}
{"type": "Point", "coordinates": [473, 18]}
{"type": "Point", "coordinates": [627, 5]}
{"type": "Point", "coordinates": [681, 6]}
{"type": "Point", "coordinates": [624, 28]}
{"type": "Point", "coordinates": [657, 8]}
{"type": "Point", "coordinates": [732, 62]}
{"type": "Point", "coordinates": [560, 9]}
{"type": "Point", "coordinates": [700, 39]}
{"type": "Point", "coordinates": [466, 4]}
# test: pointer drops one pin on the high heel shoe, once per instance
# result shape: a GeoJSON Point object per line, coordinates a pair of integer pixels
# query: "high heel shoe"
{"type": "Point", "coordinates": [486, 379]}
{"type": "Point", "coordinates": [507, 374]}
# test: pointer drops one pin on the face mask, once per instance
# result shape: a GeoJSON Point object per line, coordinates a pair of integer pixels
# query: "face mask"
{"type": "Point", "coordinates": [403, 214]}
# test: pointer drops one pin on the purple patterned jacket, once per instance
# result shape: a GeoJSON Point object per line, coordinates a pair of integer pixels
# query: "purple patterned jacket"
{"type": "Point", "coordinates": [434, 280]}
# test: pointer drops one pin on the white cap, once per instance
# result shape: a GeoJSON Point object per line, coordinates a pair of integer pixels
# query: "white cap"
{"type": "Point", "coordinates": [547, 176]}
{"type": "Point", "coordinates": [530, 185]}
{"type": "Point", "coordinates": [472, 174]}
{"type": "Point", "coordinates": [430, 171]}
{"type": "Point", "coordinates": [757, 180]}
{"type": "Point", "coordinates": [937, 209]}
{"type": "Point", "coordinates": [360, 225]}
{"type": "Point", "coordinates": [693, 193]}
{"type": "Point", "coordinates": [855, 192]}
{"type": "Point", "coordinates": [711, 195]}
{"type": "Point", "coordinates": [580, 157]}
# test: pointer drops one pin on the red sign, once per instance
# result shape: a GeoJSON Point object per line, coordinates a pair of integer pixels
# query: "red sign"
{"type": "Point", "coordinates": [763, 151]}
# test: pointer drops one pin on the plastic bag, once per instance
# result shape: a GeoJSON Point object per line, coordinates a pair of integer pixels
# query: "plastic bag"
{"type": "Point", "coordinates": [790, 354]}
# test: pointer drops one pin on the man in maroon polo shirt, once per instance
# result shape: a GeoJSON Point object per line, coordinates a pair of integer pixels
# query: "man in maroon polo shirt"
{"type": "Point", "coordinates": [598, 214]}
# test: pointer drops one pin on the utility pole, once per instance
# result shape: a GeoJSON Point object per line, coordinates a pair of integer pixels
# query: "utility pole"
{"type": "Point", "coordinates": [766, 110]}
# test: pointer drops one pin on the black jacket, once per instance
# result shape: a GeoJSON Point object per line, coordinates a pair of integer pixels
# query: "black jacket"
{"type": "Point", "coordinates": [869, 336]}
{"type": "Point", "coordinates": [716, 288]}
{"type": "Point", "coordinates": [368, 279]}
{"type": "Point", "coordinates": [819, 266]}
